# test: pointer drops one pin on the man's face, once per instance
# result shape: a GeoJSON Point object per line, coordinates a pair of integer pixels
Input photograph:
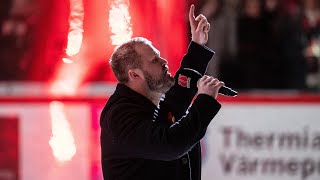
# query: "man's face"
{"type": "Point", "coordinates": [155, 69]}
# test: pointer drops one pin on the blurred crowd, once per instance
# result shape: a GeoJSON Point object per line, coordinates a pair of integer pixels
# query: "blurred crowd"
{"type": "Point", "coordinates": [259, 44]}
{"type": "Point", "coordinates": [17, 21]}
{"type": "Point", "coordinates": [265, 44]}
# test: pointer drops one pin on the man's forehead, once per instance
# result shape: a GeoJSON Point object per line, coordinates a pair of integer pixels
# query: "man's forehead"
{"type": "Point", "coordinates": [147, 49]}
{"type": "Point", "coordinates": [155, 50]}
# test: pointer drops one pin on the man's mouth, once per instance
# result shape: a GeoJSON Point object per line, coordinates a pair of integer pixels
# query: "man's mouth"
{"type": "Point", "coordinates": [166, 71]}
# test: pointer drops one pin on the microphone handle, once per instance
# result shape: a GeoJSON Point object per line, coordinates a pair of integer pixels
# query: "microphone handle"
{"type": "Point", "coordinates": [228, 91]}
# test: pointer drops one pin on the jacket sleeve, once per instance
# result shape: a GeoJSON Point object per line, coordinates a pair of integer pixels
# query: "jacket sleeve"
{"type": "Point", "coordinates": [193, 66]}
{"type": "Point", "coordinates": [135, 135]}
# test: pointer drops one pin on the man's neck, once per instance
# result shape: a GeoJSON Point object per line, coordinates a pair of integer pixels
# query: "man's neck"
{"type": "Point", "coordinates": [154, 97]}
{"type": "Point", "coordinates": [146, 92]}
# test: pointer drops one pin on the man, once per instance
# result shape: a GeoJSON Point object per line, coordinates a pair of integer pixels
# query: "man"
{"type": "Point", "coordinates": [146, 132]}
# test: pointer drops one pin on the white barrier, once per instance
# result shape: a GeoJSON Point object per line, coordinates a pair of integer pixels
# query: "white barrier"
{"type": "Point", "coordinates": [36, 160]}
{"type": "Point", "coordinates": [250, 138]}
{"type": "Point", "coordinates": [262, 142]}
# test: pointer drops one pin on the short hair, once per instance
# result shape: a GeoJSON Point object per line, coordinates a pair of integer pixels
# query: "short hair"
{"type": "Point", "coordinates": [126, 57]}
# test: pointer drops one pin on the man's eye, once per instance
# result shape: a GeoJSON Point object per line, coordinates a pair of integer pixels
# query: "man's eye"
{"type": "Point", "coordinates": [155, 60]}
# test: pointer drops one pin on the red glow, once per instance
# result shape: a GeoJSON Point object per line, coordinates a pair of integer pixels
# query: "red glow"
{"type": "Point", "coordinates": [165, 24]}
{"type": "Point", "coordinates": [68, 77]}
{"type": "Point", "coordinates": [91, 42]}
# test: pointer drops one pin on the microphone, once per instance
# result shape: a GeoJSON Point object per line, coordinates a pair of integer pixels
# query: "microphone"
{"type": "Point", "coordinates": [189, 77]}
{"type": "Point", "coordinates": [224, 90]}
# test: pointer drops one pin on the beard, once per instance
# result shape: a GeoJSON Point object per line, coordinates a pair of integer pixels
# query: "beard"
{"type": "Point", "coordinates": [161, 83]}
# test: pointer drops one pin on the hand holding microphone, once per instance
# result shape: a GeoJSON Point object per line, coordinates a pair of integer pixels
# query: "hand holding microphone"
{"type": "Point", "coordinates": [190, 78]}
{"type": "Point", "coordinates": [209, 85]}
{"type": "Point", "coordinates": [212, 86]}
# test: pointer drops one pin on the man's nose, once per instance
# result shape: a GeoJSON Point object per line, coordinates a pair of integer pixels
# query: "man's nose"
{"type": "Point", "coordinates": [164, 61]}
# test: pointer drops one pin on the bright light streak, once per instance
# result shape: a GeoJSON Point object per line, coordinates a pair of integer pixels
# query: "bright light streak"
{"type": "Point", "coordinates": [68, 79]}
{"type": "Point", "coordinates": [67, 61]}
{"type": "Point", "coordinates": [62, 141]}
{"type": "Point", "coordinates": [76, 27]}
{"type": "Point", "coordinates": [63, 87]}
{"type": "Point", "coordinates": [119, 21]}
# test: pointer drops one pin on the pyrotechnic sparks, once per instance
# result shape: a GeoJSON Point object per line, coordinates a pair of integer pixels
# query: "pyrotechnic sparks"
{"type": "Point", "coordinates": [67, 61]}
{"type": "Point", "coordinates": [62, 141]}
{"type": "Point", "coordinates": [75, 27]}
{"type": "Point", "coordinates": [119, 21]}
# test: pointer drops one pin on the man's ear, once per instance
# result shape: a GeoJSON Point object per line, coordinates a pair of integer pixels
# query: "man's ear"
{"type": "Point", "coordinates": [134, 74]}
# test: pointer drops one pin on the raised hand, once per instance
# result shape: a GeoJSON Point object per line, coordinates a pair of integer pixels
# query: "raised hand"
{"type": "Point", "coordinates": [199, 27]}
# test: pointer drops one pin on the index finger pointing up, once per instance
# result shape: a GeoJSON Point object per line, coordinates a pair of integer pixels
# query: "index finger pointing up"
{"type": "Point", "coordinates": [192, 18]}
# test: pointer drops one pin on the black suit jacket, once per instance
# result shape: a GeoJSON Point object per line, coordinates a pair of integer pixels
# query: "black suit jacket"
{"type": "Point", "coordinates": [140, 141]}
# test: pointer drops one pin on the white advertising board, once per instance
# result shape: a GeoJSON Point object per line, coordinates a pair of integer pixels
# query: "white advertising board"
{"type": "Point", "coordinates": [261, 141]}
